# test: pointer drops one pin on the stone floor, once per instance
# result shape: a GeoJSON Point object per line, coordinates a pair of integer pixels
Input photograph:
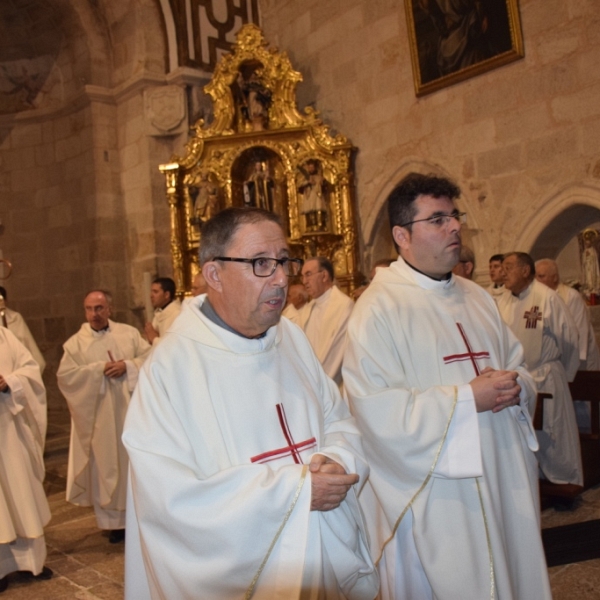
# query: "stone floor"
{"type": "Point", "coordinates": [87, 567]}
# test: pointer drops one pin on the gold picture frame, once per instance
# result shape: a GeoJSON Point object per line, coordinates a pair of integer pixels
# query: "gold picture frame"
{"type": "Point", "coordinates": [448, 45]}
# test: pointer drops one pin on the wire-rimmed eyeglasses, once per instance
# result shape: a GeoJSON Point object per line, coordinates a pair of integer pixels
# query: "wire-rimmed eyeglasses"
{"type": "Point", "coordinates": [265, 267]}
{"type": "Point", "coordinates": [441, 219]}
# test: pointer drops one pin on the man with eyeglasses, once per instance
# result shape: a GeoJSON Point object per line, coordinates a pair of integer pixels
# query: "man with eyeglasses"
{"type": "Point", "coordinates": [325, 318]}
{"type": "Point", "coordinates": [243, 455]}
{"type": "Point", "coordinates": [437, 384]}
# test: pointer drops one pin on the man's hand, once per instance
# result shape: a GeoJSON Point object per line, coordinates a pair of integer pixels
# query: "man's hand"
{"type": "Point", "coordinates": [115, 368]}
{"type": "Point", "coordinates": [329, 483]}
{"type": "Point", "coordinates": [495, 390]}
{"type": "Point", "coordinates": [3, 384]}
{"type": "Point", "coordinates": [151, 333]}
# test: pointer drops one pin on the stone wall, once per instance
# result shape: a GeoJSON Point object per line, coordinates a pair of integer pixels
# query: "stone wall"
{"type": "Point", "coordinates": [520, 140]}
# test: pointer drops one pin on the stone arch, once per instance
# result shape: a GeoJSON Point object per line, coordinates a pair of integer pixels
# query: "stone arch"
{"type": "Point", "coordinates": [561, 217]}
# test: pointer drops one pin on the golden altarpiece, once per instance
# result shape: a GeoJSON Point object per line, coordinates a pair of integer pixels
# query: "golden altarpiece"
{"type": "Point", "coordinates": [261, 151]}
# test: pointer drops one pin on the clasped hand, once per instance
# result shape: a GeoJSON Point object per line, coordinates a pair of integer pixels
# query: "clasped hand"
{"type": "Point", "coordinates": [495, 390]}
{"type": "Point", "coordinates": [329, 483]}
{"type": "Point", "coordinates": [3, 384]}
{"type": "Point", "coordinates": [115, 368]}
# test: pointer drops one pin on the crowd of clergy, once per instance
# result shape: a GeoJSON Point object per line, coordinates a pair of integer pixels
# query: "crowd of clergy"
{"type": "Point", "coordinates": [374, 446]}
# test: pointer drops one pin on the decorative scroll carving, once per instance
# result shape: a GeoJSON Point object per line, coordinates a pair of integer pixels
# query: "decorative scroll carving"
{"type": "Point", "coordinates": [259, 150]}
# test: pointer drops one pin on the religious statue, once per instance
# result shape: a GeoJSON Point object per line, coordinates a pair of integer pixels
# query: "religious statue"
{"type": "Point", "coordinates": [255, 100]}
{"type": "Point", "coordinates": [259, 187]}
{"type": "Point", "coordinates": [314, 189]}
{"type": "Point", "coordinates": [590, 267]}
{"type": "Point", "coordinates": [205, 196]}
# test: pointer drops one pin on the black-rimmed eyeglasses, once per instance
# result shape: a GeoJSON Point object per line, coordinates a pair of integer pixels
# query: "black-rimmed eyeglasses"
{"type": "Point", "coordinates": [440, 220]}
{"type": "Point", "coordinates": [265, 267]}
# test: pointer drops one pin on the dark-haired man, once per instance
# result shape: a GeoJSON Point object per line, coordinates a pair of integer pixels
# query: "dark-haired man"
{"type": "Point", "coordinates": [243, 454]}
{"type": "Point", "coordinates": [440, 392]}
{"type": "Point", "coordinates": [166, 308]}
{"type": "Point", "coordinates": [496, 288]}
{"type": "Point", "coordinates": [543, 324]}
{"type": "Point", "coordinates": [325, 318]}
{"type": "Point", "coordinates": [96, 375]}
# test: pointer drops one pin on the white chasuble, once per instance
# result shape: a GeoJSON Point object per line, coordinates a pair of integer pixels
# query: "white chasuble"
{"type": "Point", "coordinates": [324, 321]}
{"type": "Point", "coordinates": [164, 318]}
{"type": "Point", "coordinates": [16, 323]}
{"type": "Point", "coordinates": [98, 405]}
{"type": "Point", "coordinates": [452, 498]}
{"type": "Point", "coordinates": [24, 509]}
{"type": "Point", "coordinates": [541, 321]}
{"type": "Point", "coordinates": [219, 433]}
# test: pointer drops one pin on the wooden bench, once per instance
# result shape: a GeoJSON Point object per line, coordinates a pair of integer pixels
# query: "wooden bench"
{"type": "Point", "coordinates": [586, 386]}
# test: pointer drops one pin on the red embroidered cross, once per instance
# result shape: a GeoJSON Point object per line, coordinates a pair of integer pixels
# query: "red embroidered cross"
{"type": "Point", "coordinates": [291, 449]}
{"type": "Point", "coordinates": [469, 355]}
{"type": "Point", "coordinates": [532, 317]}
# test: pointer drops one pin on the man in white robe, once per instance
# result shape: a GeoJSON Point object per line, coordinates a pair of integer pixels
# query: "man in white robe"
{"type": "Point", "coordinates": [297, 297]}
{"type": "Point", "coordinates": [16, 323]}
{"type": "Point", "coordinates": [496, 288]}
{"type": "Point", "coordinates": [96, 375]}
{"type": "Point", "coordinates": [541, 321]}
{"type": "Point", "coordinates": [325, 318]}
{"type": "Point", "coordinates": [437, 384]}
{"type": "Point", "coordinates": [24, 509]}
{"type": "Point", "coordinates": [546, 272]}
{"type": "Point", "coordinates": [243, 455]}
{"type": "Point", "coordinates": [166, 309]}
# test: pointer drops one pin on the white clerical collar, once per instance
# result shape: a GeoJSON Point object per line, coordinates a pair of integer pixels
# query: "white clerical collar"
{"type": "Point", "coordinates": [426, 282]}
{"type": "Point", "coordinates": [100, 332]}
{"type": "Point", "coordinates": [323, 297]}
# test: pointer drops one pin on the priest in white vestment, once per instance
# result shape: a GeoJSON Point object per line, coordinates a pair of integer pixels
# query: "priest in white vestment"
{"type": "Point", "coordinates": [437, 384]}
{"type": "Point", "coordinates": [97, 373]}
{"type": "Point", "coordinates": [297, 297]}
{"type": "Point", "coordinates": [496, 288]}
{"type": "Point", "coordinates": [546, 272]}
{"type": "Point", "coordinates": [541, 321]}
{"type": "Point", "coordinates": [243, 455]}
{"type": "Point", "coordinates": [166, 309]}
{"type": "Point", "coordinates": [24, 510]}
{"type": "Point", "coordinates": [16, 323]}
{"type": "Point", "coordinates": [325, 318]}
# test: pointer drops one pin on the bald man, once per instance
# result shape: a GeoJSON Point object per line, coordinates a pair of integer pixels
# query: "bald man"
{"type": "Point", "coordinates": [96, 375]}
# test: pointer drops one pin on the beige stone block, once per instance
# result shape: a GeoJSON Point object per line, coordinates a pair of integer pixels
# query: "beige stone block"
{"type": "Point", "coordinates": [587, 65]}
{"type": "Point", "coordinates": [524, 123]}
{"type": "Point", "coordinates": [48, 132]}
{"type": "Point", "coordinates": [27, 180]}
{"type": "Point", "coordinates": [541, 15]}
{"type": "Point", "coordinates": [382, 111]}
{"type": "Point", "coordinates": [577, 106]}
{"type": "Point", "coordinates": [130, 156]}
{"type": "Point", "coordinates": [590, 134]}
{"type": "Point", "coordinates": [70, 258]}
{"type": "Point", "coordinates": [546, 82]}
{"type": "Point", "coordinates": [549, 150]}
{"type": "Point", "coordinates": [390, 51]}
{"type": "Point", "coordinates": [500, 161]}
{"type": "Point", "coordinates": [18, 158]}
{"type": "Point", "coordinates": [472, 138]}
{"type": "Point", "coordinates": [26, 135]}
{"type": "Point", "coordinates": [60, 215]}
{"type": "Point", "coordinates": [592, 27]}
{"type": "Point", "coordinates": [75, 168]}
{"type": "Point", "coordinates": [489, 100]}
{"type": "Point", "coordinates": [557, 43]}
{"type": "Point", "coordinates": [68, 148]}
{"type": "Point", "coordinates": [380, 9]}
{"type": "Point", "coordinates": [347, 25]}
{"type": "Point", "coordinates": [134, 129]}
{"type": "Point", "coordinates": [44, 155]}
{"type": "Point", "coordinates": [582, 8]}
{"type": "Point", "coordinates": [48, 197]}
{"type": "Point", "coordinates": [320, 38]}
{"type": "Point", "coordinates": [301, 26]}
{"type": "Point", "coordinates": [138, 176]}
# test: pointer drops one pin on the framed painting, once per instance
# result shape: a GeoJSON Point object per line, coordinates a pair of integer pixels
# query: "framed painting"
{"type": "Point", "coordinates": [453, 40]}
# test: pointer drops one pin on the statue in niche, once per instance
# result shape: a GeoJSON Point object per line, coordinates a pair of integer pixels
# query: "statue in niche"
{"type": "Point", "coordinates": [590, 267]}
{"type": "Point", "coordinates": [259, 187]}
{"type": "Point", "coordinates": [205, 197]}
{"type": "Point", "coordinates": [314, 189]}
{"type": "Point", "coordinates": [254, 99]}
